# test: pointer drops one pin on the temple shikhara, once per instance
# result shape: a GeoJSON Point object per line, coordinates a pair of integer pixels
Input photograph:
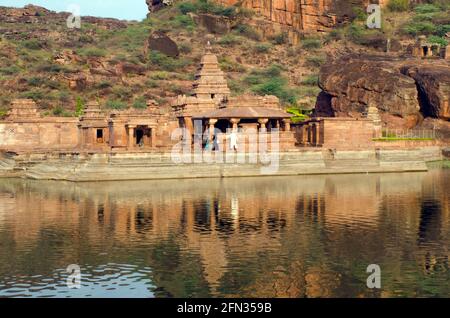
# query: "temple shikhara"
{"type": "Point", "coordinates": [210, 107]}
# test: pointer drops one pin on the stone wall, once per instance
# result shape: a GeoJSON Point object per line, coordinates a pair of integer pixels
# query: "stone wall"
{"type": "Point", "coordinates": [346, 133]}
{"type": "Point", "coordinates": [48, 133]}
{"type": "Point", "coordinates": [337, 133]}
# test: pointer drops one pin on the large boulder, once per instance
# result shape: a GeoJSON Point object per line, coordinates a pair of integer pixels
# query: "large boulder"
{"type": "Point", "coordinates": [433, 82]}
{"type": "Point", "coordinates": [352, 83]}
{"type": "Point", "coordinates": [213, 23]}
{"type": "Point", "coordinates": [158, 41]}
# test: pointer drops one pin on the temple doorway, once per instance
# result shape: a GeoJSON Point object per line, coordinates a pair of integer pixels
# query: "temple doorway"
{"type": "Point", "coordinates": [143, 136]}
{"type": "Point", "coordinates": [99, 136]}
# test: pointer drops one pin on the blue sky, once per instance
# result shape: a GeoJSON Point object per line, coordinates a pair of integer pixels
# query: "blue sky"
{"type": "Point", "coordinates": [120, 9]}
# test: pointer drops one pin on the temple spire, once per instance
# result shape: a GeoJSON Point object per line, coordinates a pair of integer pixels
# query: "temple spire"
{"type": "Point", "coordinates": [210, 81]}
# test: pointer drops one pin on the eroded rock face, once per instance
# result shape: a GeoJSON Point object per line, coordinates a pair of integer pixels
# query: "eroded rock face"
{"type": "Point", "coordinates": [214, 24]}
{"type": "Point", "coordinates": [158, 41]}
{"type": "Point", "coordinates": [433, 83]}
{"type": "Point", "coordinates": [306, 15]}
{"type": "Point", "coordinates": [154, 5]}
{"type": "Point", "coordinates": [353, 83]}
{"type": "Point", "coordinates": [405, 92]}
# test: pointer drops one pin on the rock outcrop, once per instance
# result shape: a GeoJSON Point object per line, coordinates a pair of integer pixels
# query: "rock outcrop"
{"type": "Point", "coordinates": [354, 83]}
{"type": "Point", "coordinates": [158, 41]}
{"type": "Point", "coordinates": [433, 83]}
{"type": "Point", "coordinates": [307, 15]}
{"type": "Point", "coordinates": [405, 92]}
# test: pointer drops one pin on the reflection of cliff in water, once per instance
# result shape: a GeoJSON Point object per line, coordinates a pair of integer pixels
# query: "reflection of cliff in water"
{"type": "Point", "coordinates": [295, 237]}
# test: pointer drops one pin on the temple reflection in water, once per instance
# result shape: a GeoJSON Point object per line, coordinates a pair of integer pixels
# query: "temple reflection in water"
{"type": "Point", "coordinates": [310, 236]}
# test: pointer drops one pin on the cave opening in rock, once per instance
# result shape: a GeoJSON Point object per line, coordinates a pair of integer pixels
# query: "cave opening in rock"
{"type": "Point", "coordinates": [425, 107]}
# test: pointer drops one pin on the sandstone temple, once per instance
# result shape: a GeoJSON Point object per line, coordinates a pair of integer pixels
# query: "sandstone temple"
{"type": "Point", "coordinates": [210, 108]}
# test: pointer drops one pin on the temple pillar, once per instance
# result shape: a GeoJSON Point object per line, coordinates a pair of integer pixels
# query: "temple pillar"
{"type": "Point", "coordinates": [131, 136]}
{"type": "Point", "coordinates": [188, 124]}
{"type": "Point", "coordinates": [235, 122]}
{"type": "Point", "coordinates": [287, 124]}
{"type": "Point", "coordinates": [211, 123]}
{"type": "Point", "coordinates": [263, 122]}
{"type": "Point", "coordinates": [153, 137]}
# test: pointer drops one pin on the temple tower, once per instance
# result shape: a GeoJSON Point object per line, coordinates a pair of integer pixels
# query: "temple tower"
{"type": "Point", "coordinates": [23, 108]}
{"type": "Point", "coordinates": [210, 81]}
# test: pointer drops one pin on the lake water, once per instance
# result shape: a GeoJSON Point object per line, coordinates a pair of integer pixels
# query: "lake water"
{"type": "Point", "coordinates": [306, 236]}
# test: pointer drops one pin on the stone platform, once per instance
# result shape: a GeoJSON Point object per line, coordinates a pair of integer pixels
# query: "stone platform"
{"type": "Point", "coordinates": [79, 167]}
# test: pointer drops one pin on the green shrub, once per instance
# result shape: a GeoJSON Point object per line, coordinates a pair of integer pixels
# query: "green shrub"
{"type": "Point", "coordinates": [59, 111]}
{"type": "Point", "coordinates": [315, 61]}
{"type": "Point", "coordinates": [116, 104]}
{"type": "Point", "coordinates": [228, 65]}
{"type": "Point", "coordinates": [270, 81]}
{"type": "Point", "coordinates": [35, 81]}
{"type": "Point", "coordinates": [79, 106]}
{"type": "Point", "coordinates": [311, 44]}
{"type": "Point", "coordinates": [438, 40]}
{"type": "Point", "coordinates": [360, 13]}
{"type": "Point", "coordinates": [398, 5]}
{"type": "Point", "coordinates": [299, 114]}
{"type": "Point", "coordinates": [442, 30]}
{"type": "Point", "coordinates": [185, 48]}
{"type": "Point", "coordinates": [205, 6]}
{"type": "Point", "coordinates": [93, 52]}
{"type": "Point", "coordinates": [183, 21]}
{"type": "Point", "coordinates": [103, 85]}
{"type": "Point", "coordinates": [311, 80]}
{"type": "Point", "coordinates": [10, 70]}
{"type": "Point", "coordinates": [140, 103]}
{"type": "Point", "coordinates": [151, 83]}
{"type": "Point", "coordinates": [159, 75]}
{"type": "Point", "coordinates": [229, 40]}
{"type": "Point", "coordinates": [122, 92]}
{"type": "Point", "coordinates": [32, 44]}
{"type": "Point", "coordinates": [35, 95]}
{"type": "Point", "coordinates": [426, 8]}
{"type": "Point", "coordinates": [262, 47]}
{"type": "Point", "coordinates": [420, 28]}
{"type": "Point", "coordinates": [248, 31]}
{"type": "Point", "coordinates": [165, 62]}
{"type": "Point", "coordinates": [186, 7]}
{"type": "Point", "coordinates": [281, 38]}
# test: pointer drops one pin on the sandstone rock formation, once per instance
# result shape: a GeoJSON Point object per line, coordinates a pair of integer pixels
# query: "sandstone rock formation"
{"type": "Point", "coordinates": [158, 41]}
{"type": "Point", "coordinates": [307, 15]}
{"type": "Point", "coordinates": [404, 91]}
{"type": "Point", "coordinates": [433, 82]}
{"type": "Point", "coordinates": [353, 83]}
{"type": "Point", "coordinates": [214, 24]}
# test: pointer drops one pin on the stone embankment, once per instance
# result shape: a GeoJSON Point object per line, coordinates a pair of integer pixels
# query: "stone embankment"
{"type": "Point", "coordinates": [147, 166]}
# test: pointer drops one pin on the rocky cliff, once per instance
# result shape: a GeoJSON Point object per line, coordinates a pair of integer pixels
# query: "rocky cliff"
{"type": "Point", "coordinates": [405, 91]}
{"type": "Point", "coordinates": [307, 15]}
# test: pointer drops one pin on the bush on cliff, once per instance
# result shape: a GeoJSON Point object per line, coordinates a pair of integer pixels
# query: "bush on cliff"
{"type": "Point", "coordinates": [398, 5]}
{"type": "Point", "coordinates": [311, 44]}
{"type": "Point", "coordinates": [429, 19]}
{"type": "Point", "coordinates": [205, 6]}
{"type": "Point", "coordinates": [140, 103]}
{"type": "Point", "coordinates": [115, 104]}
{"type": "Point", "coordinates": [270, 81]}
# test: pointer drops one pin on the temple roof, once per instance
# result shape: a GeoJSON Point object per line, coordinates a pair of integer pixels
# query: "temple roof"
{"type": "Point", "coordinates": [210, 79]}
{"type": "Point", "coordinates": [244, 112]}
